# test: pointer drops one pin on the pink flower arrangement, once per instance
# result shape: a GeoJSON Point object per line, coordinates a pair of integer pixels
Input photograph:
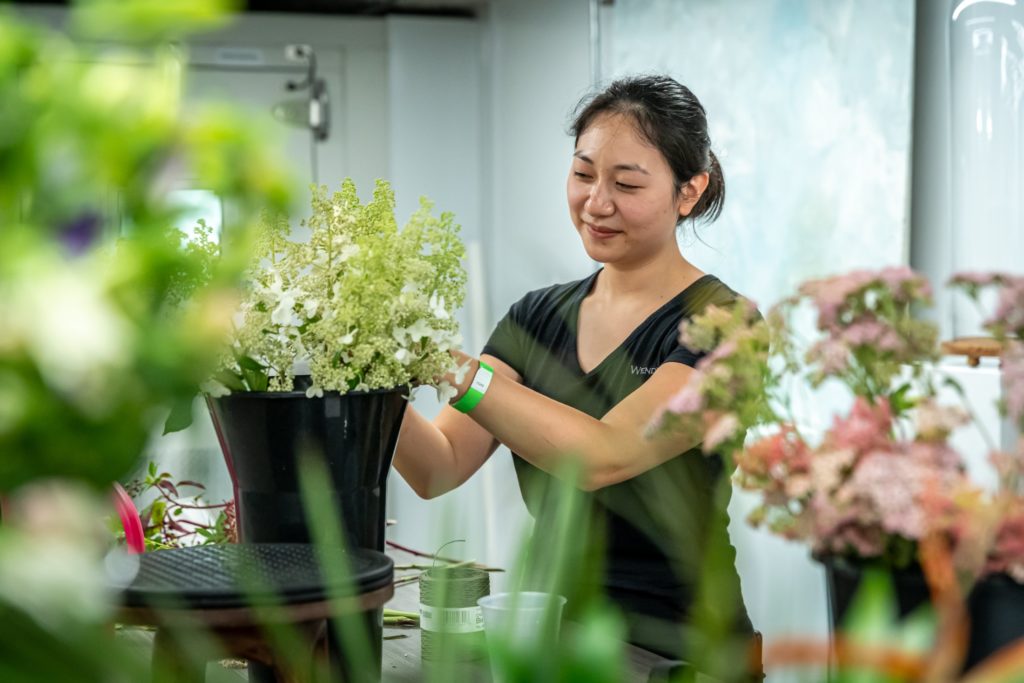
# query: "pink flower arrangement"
{"type": "Point", "coordinates": [883, 476]}
{"type": "Point", "coordinates": [861, 491]}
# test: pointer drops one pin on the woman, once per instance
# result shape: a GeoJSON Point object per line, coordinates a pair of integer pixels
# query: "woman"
{"type": "Point", "coordinates": [579, 369]}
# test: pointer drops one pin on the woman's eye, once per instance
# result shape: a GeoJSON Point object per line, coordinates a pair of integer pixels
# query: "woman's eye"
{"type": "Point", "coordinates": [582, 176]}
{"type": "Point", "coordinates": [624, 186]}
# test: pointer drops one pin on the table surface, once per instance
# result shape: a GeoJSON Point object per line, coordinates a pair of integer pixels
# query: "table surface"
{"type": "Point", "coordinates": [401, 656]}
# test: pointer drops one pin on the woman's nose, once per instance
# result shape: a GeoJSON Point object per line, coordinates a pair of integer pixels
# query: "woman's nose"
{"type": "Point", "coordinates": [599, 201]}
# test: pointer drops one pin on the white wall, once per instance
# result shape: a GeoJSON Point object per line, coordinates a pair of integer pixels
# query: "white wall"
{"type": "Point", "coordinates": [359, 143]}
{"type": "Point", "coordinates": [435, 125]}
{"type": "Point", "coordinates": [539, 68]}
{"type": "Point", "coordinates": [531, 62]}
{"type": "Point", "coordinates": [356, 71]}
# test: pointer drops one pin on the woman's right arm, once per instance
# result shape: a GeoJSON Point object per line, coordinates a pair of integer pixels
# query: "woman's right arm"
{"type": "Point", "coordinates": [436, 457]}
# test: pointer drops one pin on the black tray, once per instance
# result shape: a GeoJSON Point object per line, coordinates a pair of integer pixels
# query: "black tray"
{"type": "Point", "coordinates": [249, 574]}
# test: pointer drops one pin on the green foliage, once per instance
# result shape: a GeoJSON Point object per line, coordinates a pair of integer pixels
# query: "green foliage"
{"type": "Point", "coordinates": [30, 653]}
{"type": "Point", "coordinates": [178, 516]}
{"type": "Point", "coordinates": [732, 382]}
{"type": "Point", "coordinates": [107, 319]}
{"type": "Point", "coordinates": [134, 20]}
{"type": "Point", "coordinates": [872, 625]}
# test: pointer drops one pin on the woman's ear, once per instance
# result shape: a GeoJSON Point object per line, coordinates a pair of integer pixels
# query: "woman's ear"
{"type": "Point", "coordinates": [690, 192]}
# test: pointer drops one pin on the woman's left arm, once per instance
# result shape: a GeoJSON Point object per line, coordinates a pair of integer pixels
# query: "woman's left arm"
{"type": "Point", "coordinates": [613, 449]}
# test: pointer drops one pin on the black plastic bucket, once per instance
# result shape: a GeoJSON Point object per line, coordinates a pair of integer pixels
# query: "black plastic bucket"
{"type": "Point", "coordinates": [263, 435]}
{"type": "Point", "coordinates": [996, 610]}
{"type": "Point", "coordinates": [843, 579]}
{"type": "Point", "coordinates": [995, 605]}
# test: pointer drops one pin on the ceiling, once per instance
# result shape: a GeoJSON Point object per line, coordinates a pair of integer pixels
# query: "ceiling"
{"type": "Point", "coordinates": [465, 8]}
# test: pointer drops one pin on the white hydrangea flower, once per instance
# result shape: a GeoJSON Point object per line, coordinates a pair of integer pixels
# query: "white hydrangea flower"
{"type": "Point", "coordinates": [445, 391]}
{"type": "Point", "coordinates": [437, 308]}
{"type": "Point", "coordinates": [420, 329]}
{"type": "Point", "coordinates": [315, 392]}
{"type": "Point", "coordinates": [446, 340]}
{"type": "Point", "coordinates": [460, 372]}
{"type": "Point", "coordinates": [72, 329]}
{"type": "Point", "coordinates": [341, 277]}
{"type": "Point", "coordinates": [348, 252]}
{"type": "Point", "coordinates": [284, 301]}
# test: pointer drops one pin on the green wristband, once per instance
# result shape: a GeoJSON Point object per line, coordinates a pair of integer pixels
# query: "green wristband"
{"type": "Point", "coordinates": [477, 389]}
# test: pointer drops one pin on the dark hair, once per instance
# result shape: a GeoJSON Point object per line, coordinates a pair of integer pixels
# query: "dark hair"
{"type": "Point", "coordinates": [671, 118]}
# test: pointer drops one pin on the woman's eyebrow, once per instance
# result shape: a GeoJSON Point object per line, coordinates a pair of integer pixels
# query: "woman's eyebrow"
{"type": "Point", "coordinates": [618, 167]}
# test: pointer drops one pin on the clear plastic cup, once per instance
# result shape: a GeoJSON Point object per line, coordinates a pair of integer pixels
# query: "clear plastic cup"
{"type": "Point", "coordinates": [522, 619]}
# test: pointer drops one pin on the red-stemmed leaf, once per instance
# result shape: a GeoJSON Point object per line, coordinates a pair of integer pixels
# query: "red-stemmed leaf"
{"type": "Point", "coordinates": [168, 486]}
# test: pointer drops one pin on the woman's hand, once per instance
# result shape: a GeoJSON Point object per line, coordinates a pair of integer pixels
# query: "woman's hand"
{"type": "Point", "coordinates": [435, 457]}
{"type": "Point", "coordinates": [462, 375]}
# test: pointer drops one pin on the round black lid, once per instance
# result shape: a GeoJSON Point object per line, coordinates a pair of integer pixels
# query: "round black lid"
{"type": "Point", "coordinates": [248, 574]}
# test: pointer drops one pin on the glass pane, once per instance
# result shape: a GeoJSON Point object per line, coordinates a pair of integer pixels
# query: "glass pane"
{"type": "Point", "coordinates": [809, 108]}
{"type": "Point", "coordinates": [987, 136]}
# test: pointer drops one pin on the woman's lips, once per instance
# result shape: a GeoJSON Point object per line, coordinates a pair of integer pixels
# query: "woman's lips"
{"type": "Point", "coordinates": [601, 233]}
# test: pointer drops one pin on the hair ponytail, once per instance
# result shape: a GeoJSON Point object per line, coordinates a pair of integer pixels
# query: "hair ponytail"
{"type": "Point", "coordinates": [709, 206]}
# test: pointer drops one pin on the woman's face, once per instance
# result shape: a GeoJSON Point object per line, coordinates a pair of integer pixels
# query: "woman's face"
{"type": "Point", "coordinates": [621, 193]}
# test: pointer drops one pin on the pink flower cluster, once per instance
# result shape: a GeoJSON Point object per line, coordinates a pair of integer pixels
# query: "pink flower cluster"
{"type": "Point", "coordinates": [1008, 317]}
{"type": "Point", "coordinates": [868, 326]}
{"type": "Point", "coordinates": [834, 295]}
{"type": "Point", "coordinates": [778, 465]}
{"type": "Point", "coordinates": [1009, 311]}
{"type": "Point", "coordinates": [860, 488]}
{"type": "Point", "coordinates": [722, 396]}
{"type": "Point", "coordinates": [1013, 383]}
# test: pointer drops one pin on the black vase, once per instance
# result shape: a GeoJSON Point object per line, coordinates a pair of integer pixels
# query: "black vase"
{"type": "Point", "coordinates": [263, 435]}
{"type": "Point", "coordinates": [996, 610]}
{"type": "Point", "coordinates": [995, 605]}
{"type": "Point", "coordinates": [843, 578]}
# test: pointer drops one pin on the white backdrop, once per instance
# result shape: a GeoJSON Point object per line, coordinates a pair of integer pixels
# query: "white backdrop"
{"type": "Point", "coordinates": [809, 105]}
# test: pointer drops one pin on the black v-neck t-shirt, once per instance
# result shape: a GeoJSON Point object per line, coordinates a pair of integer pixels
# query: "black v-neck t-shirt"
{"type": "Point", "coordinates": [652, 529]}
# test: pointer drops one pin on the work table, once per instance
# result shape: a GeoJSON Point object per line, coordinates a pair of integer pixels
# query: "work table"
{"type": "Point", "coordinates": [401, 656]}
